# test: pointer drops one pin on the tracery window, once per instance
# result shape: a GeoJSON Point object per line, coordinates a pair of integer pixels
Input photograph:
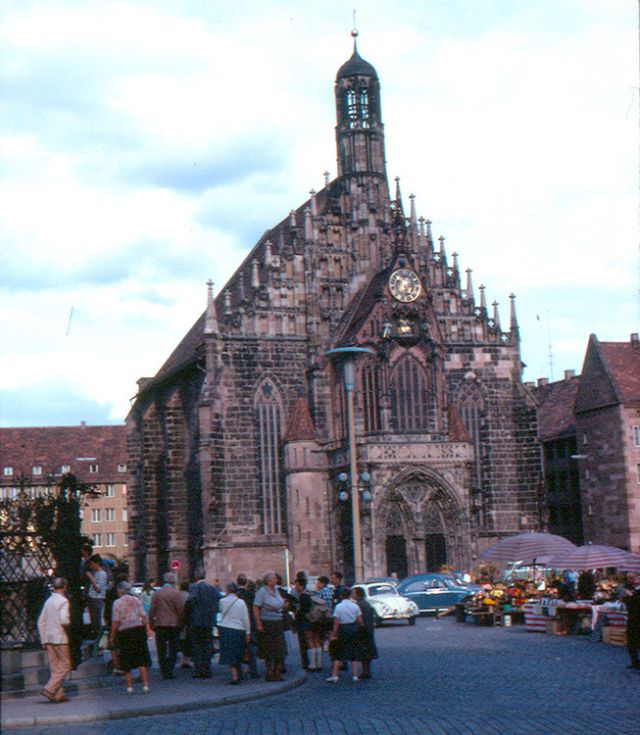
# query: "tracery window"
{"type": "Point", "coordinates": [370, 381]}
{"type": "Point", "coordinates": [470, 407]}
{"type": "Point", "coordinates": [411, 397]}
{"type": "Point", "coordinates": [268, 417]}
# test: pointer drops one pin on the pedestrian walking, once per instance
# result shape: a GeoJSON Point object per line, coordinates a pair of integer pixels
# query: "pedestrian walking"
{"type": "Point", "coordinates": [235, 631]}
{"type": "Point", "coordinates": [165, 612]}
{"type": "Point", "coordinates": [185, 639]}
{"type": "Point", "coordinates": [268, 609]}
{"type": "Point", "coordinates": [368, 650]}
{"type": "Point", "coordinates": [53, 624]}
{"type": "Point", "coordinates": [345, 637]}
{"type": "Point", "coordinates": [247, 592]}
{"type": "Point", "coordinates": [130, 627]}
{"type": "Point", "coordinates": [202, 610]}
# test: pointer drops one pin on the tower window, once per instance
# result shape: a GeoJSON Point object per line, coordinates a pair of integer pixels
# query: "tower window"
{"type": "Point", "coordinates": [364, 107]}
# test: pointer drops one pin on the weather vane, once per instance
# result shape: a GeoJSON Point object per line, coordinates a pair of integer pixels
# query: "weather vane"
{"type": "Point", "coordinates": [354, 31]}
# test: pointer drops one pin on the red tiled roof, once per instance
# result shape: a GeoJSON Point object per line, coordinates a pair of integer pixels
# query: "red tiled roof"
{"type": "Point", "coordinates": [623, 364]}
{"type": "Point", "coordinates": [555, 408]}
{"type": "Point", "coordinates": [300, 425]}
{"type": "Point", "coordinates": [50, 447]}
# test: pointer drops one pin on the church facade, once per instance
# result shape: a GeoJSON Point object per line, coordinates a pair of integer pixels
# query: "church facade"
{"type": "Point", "coordinates": [239, 447]}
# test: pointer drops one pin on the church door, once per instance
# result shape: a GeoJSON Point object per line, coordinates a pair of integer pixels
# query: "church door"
{"type": "Point", "coordinates": [436, 551]}
{"type": "Point", "coordinates": [396, 548]}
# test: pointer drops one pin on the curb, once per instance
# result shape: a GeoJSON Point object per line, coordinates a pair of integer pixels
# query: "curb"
{"type": "Point", "coordinates": [152, 709]}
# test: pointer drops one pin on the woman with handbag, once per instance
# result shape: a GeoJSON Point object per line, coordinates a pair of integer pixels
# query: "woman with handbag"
{"type": "Point", "coordinates": [234, 630]}
{"type": "Point", "coordinates": [268, 610]}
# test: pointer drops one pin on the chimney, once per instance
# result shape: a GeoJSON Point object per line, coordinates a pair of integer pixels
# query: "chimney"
{"type": "Point", "coordinates": [568, 374]}
{"type": "Point", "coordinates": [635, 340]}
{"type": "Point", "coordinates": [542, 382]}
{"type": "Point", "coordinates": [83, 424]}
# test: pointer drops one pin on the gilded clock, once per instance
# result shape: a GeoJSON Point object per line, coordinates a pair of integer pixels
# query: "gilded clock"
{"type": "Point", "coordinates": [404, 285]}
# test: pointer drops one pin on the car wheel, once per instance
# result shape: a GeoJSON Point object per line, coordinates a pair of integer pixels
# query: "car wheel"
{"type": "Point", "coordinates": [412, 621]}
{"type": "Point", "coordinates": [377, 620]}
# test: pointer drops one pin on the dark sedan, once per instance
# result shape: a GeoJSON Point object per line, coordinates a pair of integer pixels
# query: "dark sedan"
{"type": "Point", "coordinates": [433, 592]}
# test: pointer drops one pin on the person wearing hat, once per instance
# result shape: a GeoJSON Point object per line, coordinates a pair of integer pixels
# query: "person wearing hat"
{"type": "Point", "coordinates": [53, 622]}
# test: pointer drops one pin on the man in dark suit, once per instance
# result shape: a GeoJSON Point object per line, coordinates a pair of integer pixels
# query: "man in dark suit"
{"type": "Point", "coordinates": [632, 601]}
{"type": "Point", "coordinates": [202, 610]}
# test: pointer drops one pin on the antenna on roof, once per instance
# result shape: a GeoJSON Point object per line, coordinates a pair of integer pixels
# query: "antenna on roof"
{"type": "Point", "coordinates": [69, 322]}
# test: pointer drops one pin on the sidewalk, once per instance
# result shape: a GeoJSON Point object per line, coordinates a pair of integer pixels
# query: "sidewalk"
{"type": "Point", "coordinates": [110, 702]}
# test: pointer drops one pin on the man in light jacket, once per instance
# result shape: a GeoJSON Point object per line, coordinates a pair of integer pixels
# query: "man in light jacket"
{"type": "Point", "coordinates": [52, 624]}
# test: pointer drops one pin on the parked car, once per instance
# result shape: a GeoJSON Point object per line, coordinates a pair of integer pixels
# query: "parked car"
{"type": "Point", "coordinates": [433, 592]}
{"type": "Point", "coordinates": [387, 604]}
{"type": "Point", "coordinates": [389, 580]}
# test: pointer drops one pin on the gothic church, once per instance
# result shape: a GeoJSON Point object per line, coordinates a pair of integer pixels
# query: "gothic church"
{"type": "Point", "coordinates": [239, 446]}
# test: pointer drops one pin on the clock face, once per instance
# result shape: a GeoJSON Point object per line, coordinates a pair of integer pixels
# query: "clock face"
{"type": "Point", "coordinates": [404, 285]}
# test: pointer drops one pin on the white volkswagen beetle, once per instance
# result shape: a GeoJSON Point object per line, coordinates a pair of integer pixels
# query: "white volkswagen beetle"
{"type": "Point", "coordinates": [388, 603]}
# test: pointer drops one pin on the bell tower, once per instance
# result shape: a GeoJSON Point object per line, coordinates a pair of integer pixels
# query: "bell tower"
{"type": "Point", "coordinates": [359, 129]}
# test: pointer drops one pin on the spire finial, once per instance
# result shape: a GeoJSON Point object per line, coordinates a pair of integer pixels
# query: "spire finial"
{"type": "Point", "coordinates": [513, 321]}
{"type": "Point", "coordinates": [496, 315]}
{"type": "Point", "coordinates": [469, 285]}
{"type": "Point", "coordinates": [354, 34]}
{"type": "Point", "coordinates": [211, 320]}
{"type": "Point", "coordinates": [483, 298]}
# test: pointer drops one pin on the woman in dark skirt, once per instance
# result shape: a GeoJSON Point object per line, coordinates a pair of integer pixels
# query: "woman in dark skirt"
{"type": "Point", "coordinates": [130, 628]}
{"type": "Point", "coordinates": [344, 640]}
{"type": "Point", "coordinates": [234, 630]}
{"type": "Point", "coordinates": [368, 649]}
{"type": "Point", "coordinates": [268, 608]}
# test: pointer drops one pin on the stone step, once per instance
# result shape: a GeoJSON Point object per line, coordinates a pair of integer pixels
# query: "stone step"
{"type": "Point", "coordinates": [89, 675]}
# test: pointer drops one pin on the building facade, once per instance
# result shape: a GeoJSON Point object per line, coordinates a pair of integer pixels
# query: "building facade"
{"type": "Point", "coordinates": [607, 411]}
{"type": "Point", "coordinates": [33, 459]}
{"type": "Point", "coordinates": [557, 432]}
{"type": "Point", "coordinates": [239, 445]}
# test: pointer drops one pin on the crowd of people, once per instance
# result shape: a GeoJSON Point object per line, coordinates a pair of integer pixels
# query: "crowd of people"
{"type": "Point", "coordinates": [251, 620]}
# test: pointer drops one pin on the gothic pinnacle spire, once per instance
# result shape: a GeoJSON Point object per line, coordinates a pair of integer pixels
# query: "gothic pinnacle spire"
{"type": "Point", "coordinates": [496, 315]}
{"type": "Point", "coordinates": [469, 285]}
{"type": "Point", "coordinates": [513, 321]}
{"type": "Point", "coordinates": [483, 298]}
{"type": "Point", "coordinates": [211, 318]}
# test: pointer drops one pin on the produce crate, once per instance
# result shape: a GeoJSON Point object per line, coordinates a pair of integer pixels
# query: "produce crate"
{"type": "Point", "coordinates": [614, 636]}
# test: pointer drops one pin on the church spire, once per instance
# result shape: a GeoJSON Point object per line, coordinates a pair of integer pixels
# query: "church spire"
{"type": "Point", "coordinates": [359, 129]}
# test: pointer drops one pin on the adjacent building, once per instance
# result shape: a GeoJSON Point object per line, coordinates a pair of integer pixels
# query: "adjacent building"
{"type": "Point", "coordinates": [607, 412]}
{"type": "Point", "coordinates": [33, 459]}
{"type": "Point", "coordinates": [239, 445]}
{"type": "Point", "coordinates": [557, 432]}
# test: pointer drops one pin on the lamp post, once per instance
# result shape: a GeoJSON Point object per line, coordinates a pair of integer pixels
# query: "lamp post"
{"type": "Point", "coordinates": [347, 356]}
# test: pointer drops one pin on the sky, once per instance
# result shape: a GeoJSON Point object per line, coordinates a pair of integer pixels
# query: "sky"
{"type": "Point", "coordinates": [145, 147]}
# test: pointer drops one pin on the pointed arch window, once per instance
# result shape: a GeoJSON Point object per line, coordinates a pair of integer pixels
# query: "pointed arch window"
{"type": "Point", "coordinates": [269, 429]}
{"type": "Point", "coordinates": [370, 381]}
{"type": "Point", "coordinates": [411, 397]}
{"type": "Point", "coordinates": [471, 408]}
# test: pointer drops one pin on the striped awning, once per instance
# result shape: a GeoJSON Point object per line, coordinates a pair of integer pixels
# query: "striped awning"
{"type": "Point", "coordinates": [593, 556]}
{"type": "Point", "coordinates": [527, 548]}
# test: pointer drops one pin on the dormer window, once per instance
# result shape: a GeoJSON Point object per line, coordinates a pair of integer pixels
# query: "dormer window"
{"type": "Point", "coordinates": [8, 472]}
{"type": "Point", "coordinates": [36, 469]}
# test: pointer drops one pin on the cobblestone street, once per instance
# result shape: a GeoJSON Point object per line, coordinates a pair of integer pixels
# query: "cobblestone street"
{"type": "Point", "coordinates": [438, 677]}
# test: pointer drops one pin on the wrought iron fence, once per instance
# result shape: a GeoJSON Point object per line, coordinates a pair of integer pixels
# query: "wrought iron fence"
{"type": "Point", "coordinates": [24, 565]}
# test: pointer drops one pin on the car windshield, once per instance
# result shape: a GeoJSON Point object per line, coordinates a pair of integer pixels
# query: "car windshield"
{"type": "Point", "coordinates": [382, 589]}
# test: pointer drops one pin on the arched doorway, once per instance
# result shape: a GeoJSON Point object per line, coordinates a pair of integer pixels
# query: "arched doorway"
{"type": "Point", "coordinates": [396, 545]}
{"type": "Point", "coordinates": [435, 538]}
{"type": "Point", "coordinates": [422, 526]}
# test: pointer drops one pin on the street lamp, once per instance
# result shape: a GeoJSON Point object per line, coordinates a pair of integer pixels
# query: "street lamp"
{"type": "Point", "coordinates": [347, 356]}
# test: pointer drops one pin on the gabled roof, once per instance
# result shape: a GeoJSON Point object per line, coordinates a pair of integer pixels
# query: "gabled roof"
{"type": "Point", "coordinates": [51, 447]}
{"type": "Point", "coordinates": [555, 408]}
{"type": "Point", "coordinates": [623, 363]}
{"type": "Point", "coordinates": [610, 375]}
